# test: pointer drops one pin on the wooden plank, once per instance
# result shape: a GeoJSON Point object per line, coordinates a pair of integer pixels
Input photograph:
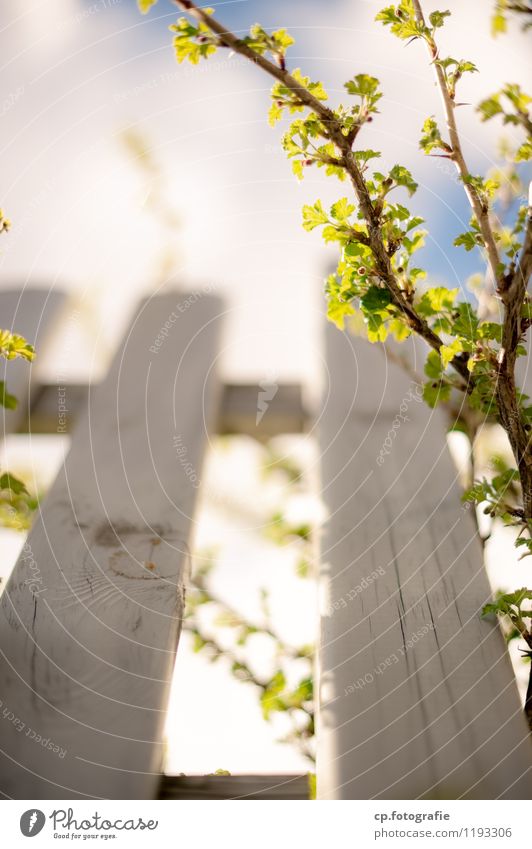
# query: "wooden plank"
{"type": "Point", "coordinates": [234, 787]}
{"type": "Point", "coordinates": [418, 698]}
{"type": "Point", "coordinates": [91, 615]}
{"type": "Point", "coordinates": [244, 409]}
{"type": "Point", "coordinates": [32, 313]}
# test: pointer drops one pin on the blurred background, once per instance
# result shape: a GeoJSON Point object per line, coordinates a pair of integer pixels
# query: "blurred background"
{"type": "Point", "coordinates": [125, 174]}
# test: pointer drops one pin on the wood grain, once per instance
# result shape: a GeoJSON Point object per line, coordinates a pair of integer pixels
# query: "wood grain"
{"type": "Point", "coordinates": [418, 698]}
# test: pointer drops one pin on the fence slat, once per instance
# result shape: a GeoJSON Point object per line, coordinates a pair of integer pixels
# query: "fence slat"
{"type": "Point", "coordinates": [30, 313]}
{"type": "Point", "coordinates": [91, 615]}
{"type": "Point", "coordinates": [418, 697]}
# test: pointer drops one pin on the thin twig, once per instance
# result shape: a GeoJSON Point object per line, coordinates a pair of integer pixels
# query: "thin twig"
{"type": "Point", "coordinates": [333, 130]}
{"type": "Point", "coordinates": [513, 296]}
{"type": "Point", "coordinates": [402, 361]}
{"type": "Point", "coordinates": [511, 289]}
{"type": "Point", "coordinates": [290, 651]}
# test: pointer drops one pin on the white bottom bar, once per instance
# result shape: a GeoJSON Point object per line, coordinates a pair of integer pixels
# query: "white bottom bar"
{"type": "Point", "coordinates": [266, 825]}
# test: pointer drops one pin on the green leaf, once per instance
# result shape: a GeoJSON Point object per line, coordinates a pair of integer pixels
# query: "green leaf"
{"type": "Point", "coordinates": [8, 481]}
{"type": "Point", "coordinates": [517, 97]}
{"type": "Point", "coordinates": [376, 298]}
{"type": "Point", "coordinates": [468, 240]}
{"type": "Point", "coordinates": [303, 693]}
{"type": "Point", "coordinates": [12, 345]}
{"type": "Point", "coordinates": [364, 156]}
{"type": "Point", "coordinates": [275, 113]}
{"type": "Point", "coordinates": [198, 642]}
{"type": "Point", "coordinates": [399, 330]}
{"type": "Point", "coordinates": [362, 85]}
{"type": "Point", "coordinates": [433, 365]}
{"type": "Point", "coordinates": [367, 88]}
{"type": "Point", "coordinates": [498, 24]}
{"type": "Point", "coordinates": [448, 352]}
{"type": "Point", "coordinates": [436, 392]}
{"type": "Point", "coordinates": [465, 322]}
{"type": "Point", "coordinates": [297, 168]}
{"type": "Point", "coordinates": [515, 108]}
{"type": "Point", "coordinates": [431, 137]}
{"type": "Point", "coordinates": [415, 242]}
{"type": "Point", "coordinates": [375, 327]}
{"type": "Point", "coordinates": [145, 5]}
{"type": "Point", "coordinates": [524, 152]}
{"type": "Point", "coordinates": [270, 698]}
{"type": "Point", "coordinates": [282, 39]}
{"type": "Point", "coordinates": [342, 210]}
{"type": "Point", "coordinates": [6, 400]}
{"type": "Point", "coordinates": [437, 19]}
{"type": "Point", "coordinates": [489, 107]}
{"type": "Point", "coordinates": [357, 250]}
{"type": "Point", "coordinates": [402, 20]}
{"type": "Point", "coordinates": [509, 604]}
{"type": "Point", "coordinates": [315, 88]}
{"type": "Point", "coordinates": [402, 177]}
{"type": "Point", "coordinates": [436, 300]}
{"type": "Point", "coordinates": [5, 223]}
{"type": "Point", "coordinates": [467, 67]}
{"type": "Point", "coordinates": [191, 42]}
{"type": "Point", "coordinates": [338, 311]}
{"type": "Point", "coordinates": [490, 330]}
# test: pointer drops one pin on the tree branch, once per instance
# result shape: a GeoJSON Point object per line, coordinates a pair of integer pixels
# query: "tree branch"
{"type": "Point", "coordinates": [513, 296]}
{"type": "Point", "coordinates": [479, 207]}
{"type": "Point", "coordinates": [301, 736]}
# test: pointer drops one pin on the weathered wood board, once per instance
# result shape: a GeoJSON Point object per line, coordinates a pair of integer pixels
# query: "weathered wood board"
{"type": "Point", "coordinates": [90, 618]}
{"type": "Point", "coordinates": [418, 697]}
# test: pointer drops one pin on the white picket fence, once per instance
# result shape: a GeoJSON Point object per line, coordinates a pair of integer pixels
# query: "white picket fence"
{"type": "Point", "coordinates": [417, 696]}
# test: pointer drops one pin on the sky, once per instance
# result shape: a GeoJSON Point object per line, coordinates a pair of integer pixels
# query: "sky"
{"type": "Point", "coordinates": [75, 75]}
